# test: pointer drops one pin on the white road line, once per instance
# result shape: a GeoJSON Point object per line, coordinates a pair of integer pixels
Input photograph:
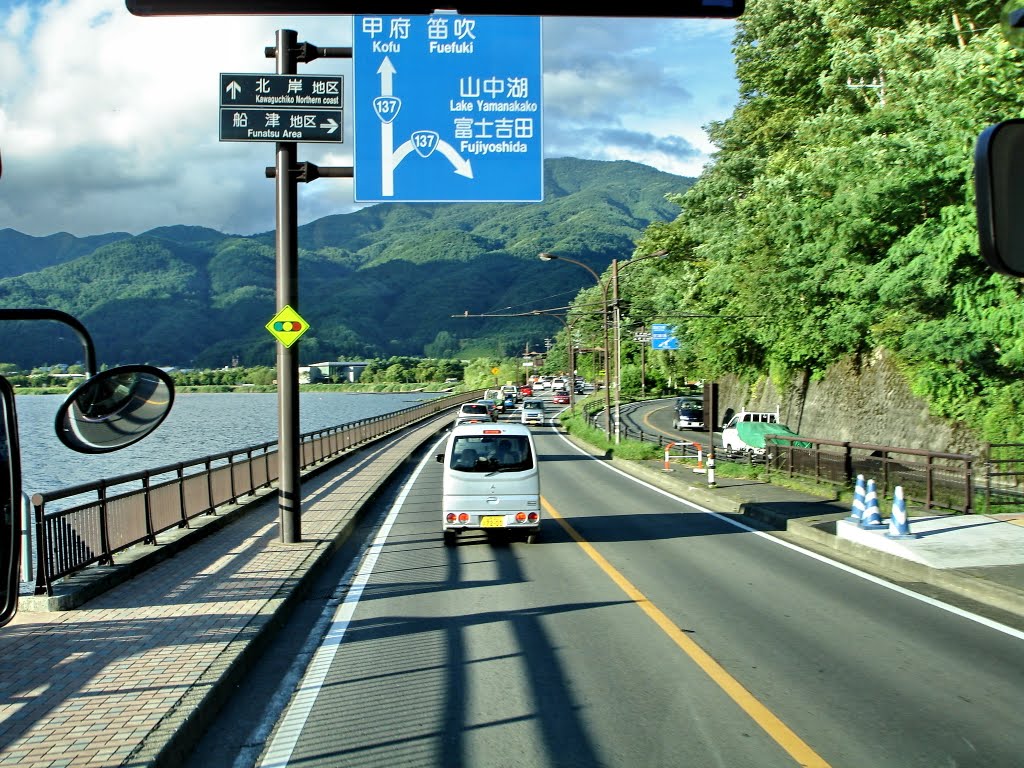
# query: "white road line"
{"type": "Point", "coordinates": [806, 552]}
{"type": "Point", "coordinates": [280, 750]}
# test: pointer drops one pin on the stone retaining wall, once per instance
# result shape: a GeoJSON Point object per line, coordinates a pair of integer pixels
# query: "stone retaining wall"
{"type": "Point", "coordinates": [864, 401]}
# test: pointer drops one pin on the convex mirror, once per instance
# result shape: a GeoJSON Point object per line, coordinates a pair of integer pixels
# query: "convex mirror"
{"type": "Point", "coordinates": [115, 408]}
{"type": "Point", "coordinates": [999, 196]}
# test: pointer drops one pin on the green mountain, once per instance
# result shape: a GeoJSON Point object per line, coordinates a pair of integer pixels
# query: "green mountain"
{"type": "Point", "coordinates": [20, 254]}
{"type": "Point", "coordinates": [381, 281]}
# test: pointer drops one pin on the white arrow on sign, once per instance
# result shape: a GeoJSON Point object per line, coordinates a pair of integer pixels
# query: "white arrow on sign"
{"type": "Point", "coordinates": [233, 89]}
{"type": "Point", "coordinates": [331, 125]}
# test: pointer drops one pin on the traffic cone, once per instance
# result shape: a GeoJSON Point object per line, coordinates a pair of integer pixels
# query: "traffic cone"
{"type": "Point", "coordinates": [872, 517]}
{"type": "Point", "coordinates": [899, 527]}
{"type": "Point", "coordinates": [857, 508]}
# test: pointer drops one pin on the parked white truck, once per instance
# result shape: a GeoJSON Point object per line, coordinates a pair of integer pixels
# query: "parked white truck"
{"type": "Point", "coordinates": [745, 431]}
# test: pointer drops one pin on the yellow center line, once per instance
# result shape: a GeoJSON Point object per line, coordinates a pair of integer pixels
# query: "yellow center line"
{"type": "Point", "coordinates": [772, 725]}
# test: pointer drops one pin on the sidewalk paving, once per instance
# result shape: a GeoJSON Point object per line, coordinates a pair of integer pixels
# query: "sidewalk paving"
{"type": "Point", "coordinates": [131, 676]}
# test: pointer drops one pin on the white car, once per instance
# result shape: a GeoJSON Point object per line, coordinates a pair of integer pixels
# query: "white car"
{"type": "Point", "coordinates": [473, 413]}
{"type": "Point", "coordinates": [490, 482]}
{"type": "Point", "coordinates": [531, 411]}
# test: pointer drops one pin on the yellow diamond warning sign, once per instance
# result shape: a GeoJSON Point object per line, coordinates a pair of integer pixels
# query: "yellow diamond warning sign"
{"type": "Point", "coordinates": [286, 326]}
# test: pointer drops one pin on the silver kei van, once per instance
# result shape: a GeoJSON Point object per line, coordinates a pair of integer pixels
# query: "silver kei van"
{"type": "Point", "coordinates": [491, 482]}
{"type": "Point", "coordinates": [531, 411]}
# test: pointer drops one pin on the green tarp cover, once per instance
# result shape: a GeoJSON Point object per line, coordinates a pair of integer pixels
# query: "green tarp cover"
{"type": "Point", "coordinates": [753, 433]}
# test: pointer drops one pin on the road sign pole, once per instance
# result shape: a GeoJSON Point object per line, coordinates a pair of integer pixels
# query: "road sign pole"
{"type": "Point", "coordinates": [289, 492]}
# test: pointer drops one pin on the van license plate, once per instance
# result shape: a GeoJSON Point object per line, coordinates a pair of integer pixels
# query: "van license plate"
{"type": "Point", "coordinates": [492, 521]}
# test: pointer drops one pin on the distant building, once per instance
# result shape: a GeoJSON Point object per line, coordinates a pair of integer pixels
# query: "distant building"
{"type": "Point", "coordinates": [332, 371]}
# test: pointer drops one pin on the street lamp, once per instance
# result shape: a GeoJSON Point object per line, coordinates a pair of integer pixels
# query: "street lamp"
{"type": "Point", "coordinates": [604, 324]}
{"type": "Point", "coordinates": [618, 329]}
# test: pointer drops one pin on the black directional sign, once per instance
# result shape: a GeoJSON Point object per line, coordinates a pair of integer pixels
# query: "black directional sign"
{"type": "Point", "coordinates": [255, 107]}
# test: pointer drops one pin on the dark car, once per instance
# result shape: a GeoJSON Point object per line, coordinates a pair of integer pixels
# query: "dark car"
{"type": "Point", "coordinates": [689, 413]}
{"type": "Point", "coordinates": [492, 407]}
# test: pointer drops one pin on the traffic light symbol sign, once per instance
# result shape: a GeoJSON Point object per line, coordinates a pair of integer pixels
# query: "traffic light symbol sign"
{"type": "Point", "coordinates": [287, 326]}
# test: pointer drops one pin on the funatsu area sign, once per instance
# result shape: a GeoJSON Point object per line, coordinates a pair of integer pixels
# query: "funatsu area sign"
{"type": "Point", "coordinates": [447, 108]}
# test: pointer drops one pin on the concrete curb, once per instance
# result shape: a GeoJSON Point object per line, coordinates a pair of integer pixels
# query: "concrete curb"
{"type": "Point", "coordinates": [170, 743]}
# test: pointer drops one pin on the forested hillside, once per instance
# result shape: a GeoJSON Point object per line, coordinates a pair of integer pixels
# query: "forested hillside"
{"type": "Point", "coordinates": [838, 214]}
{"type": "Point", "coordinates": [381, 281]}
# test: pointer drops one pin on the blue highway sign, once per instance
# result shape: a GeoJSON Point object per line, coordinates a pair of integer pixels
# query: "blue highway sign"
{"type": "Point", "coordinates": [447, 108]}
{"type": "Point", "coordinates": [663, 336]}
{"type": "Point", "coordinates": [305, 108]}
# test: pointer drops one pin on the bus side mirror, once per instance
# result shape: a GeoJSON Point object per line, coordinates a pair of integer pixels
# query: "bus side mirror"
{"type": "Point", "coordinates": [115, 408]}
{"type": "Point", "coordinates": [10, 505]}
{"type": "Point", "coordinates": [999, 196]}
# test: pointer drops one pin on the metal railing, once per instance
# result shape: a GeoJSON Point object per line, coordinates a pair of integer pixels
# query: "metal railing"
{"type": "Point", "coordinates": [1004, 476]}
{"type": "Point", "coordinates": [929, 479]}
{"type": "Point", "coordinates": [593, 412]}
{"type": "Point", "coordinates": [133, 509]}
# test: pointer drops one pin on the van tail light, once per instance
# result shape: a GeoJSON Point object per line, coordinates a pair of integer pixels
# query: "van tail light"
{"type": "Point", "coordinates": [463, 517]}
{"type": "Point", "coordinates": [520, 517]}
{"type": "Point", "coordinates": [450, 517]}
{"type": "Point", "coordinates": [534, 517]}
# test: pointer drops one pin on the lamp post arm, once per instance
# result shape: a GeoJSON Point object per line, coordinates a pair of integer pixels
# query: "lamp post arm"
{"type": "Point", "coordinates": [604, 315]}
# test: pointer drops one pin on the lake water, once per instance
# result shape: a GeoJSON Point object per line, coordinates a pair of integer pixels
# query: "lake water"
{"type": "Point", "coordinates": [198, 425]}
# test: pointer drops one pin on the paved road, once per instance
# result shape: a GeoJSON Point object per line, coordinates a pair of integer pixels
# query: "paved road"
{"type": "Point", "coordinates": [133, 676]}
{"type": "Point", "coordinates": [639, 629]}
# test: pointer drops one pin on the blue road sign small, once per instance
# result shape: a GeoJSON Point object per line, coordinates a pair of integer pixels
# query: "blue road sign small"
{"type": "Point", "coordinates": [447, 108]}
{"type": "Point", "coordinates": [670, 342]}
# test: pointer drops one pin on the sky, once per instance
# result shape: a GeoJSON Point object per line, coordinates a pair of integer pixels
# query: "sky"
{"type": "Point", "coordinates": [109, 122]}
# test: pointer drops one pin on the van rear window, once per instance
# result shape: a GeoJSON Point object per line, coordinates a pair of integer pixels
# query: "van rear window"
{"type": "Point", "coordinates": [492, 453]}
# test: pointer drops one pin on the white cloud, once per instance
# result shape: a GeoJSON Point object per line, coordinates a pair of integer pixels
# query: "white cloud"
{"type": "Point", "coordinates": [108, 121]}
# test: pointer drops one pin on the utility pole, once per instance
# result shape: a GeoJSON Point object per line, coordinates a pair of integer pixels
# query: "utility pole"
{"type": "Point", "coordinates": [877, 83]}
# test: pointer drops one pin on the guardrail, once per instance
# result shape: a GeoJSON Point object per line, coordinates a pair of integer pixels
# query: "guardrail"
{"type": "Point", "coordinates": [929, 479]}
{"type": "Point", "coordinates": [132, 509]}
{"type": "Point", "coordinates": [1004, 476]}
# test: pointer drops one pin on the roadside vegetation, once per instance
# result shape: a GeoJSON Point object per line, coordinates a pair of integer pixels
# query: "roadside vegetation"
{"type": "Point", "coordinates": [577, 424]}
{"type": "Point", "coordinates": [837, 219]}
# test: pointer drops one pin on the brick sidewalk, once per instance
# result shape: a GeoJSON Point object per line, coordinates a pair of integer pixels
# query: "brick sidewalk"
{"type": "Point", "coordinates": [128, 678]}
